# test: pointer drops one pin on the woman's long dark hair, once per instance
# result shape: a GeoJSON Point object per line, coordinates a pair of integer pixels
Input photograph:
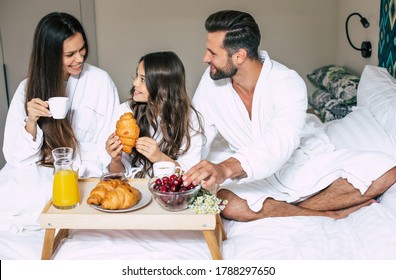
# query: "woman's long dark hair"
{"type": "Point", "coordinates": [46, 77]}
{"type": "Point", "coordinates": [168, 108]}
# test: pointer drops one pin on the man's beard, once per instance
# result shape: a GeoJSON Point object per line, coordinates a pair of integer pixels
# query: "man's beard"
{"type": "Point", "coordinates": [229, 71]}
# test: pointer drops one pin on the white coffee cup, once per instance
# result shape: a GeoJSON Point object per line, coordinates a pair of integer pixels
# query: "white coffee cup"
{"type": "Point", "coordinates": [165, 168]}
{"type": "Point", "coordinates": [58, 106]}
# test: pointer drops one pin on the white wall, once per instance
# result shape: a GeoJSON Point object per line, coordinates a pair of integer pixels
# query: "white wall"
{"type": "Point", "coordinates": [303, 34]}
{"type": "Point", "coordinates": [346, 55]}
{"type": "Point", "coordinates": [18, 20]}
{"type": "Point", "coordinates": [300, 34]}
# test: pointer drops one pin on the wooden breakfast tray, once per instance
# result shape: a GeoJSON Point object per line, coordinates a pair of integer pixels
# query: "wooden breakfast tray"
{"type": "Point", "coordinates": [149, 217]}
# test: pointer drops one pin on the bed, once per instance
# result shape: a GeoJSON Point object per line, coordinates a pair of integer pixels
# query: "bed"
{"type": "Point", "coordinates": [369, 233]}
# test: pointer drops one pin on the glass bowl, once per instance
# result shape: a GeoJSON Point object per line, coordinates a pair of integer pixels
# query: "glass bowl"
{"type": "Point", "coordinates": [112, 176]}
{"type": "Point", "coordinates": [173, 201]}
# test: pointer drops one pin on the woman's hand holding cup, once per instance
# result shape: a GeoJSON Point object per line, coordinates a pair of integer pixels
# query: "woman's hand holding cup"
{"type": "Point", "coordinates": [37, 108]}
{"type": "Point", "coordinates": [59, 106]}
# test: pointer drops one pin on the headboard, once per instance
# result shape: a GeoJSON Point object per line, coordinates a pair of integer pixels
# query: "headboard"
{"type": "Point", "coordinates": [387, 36]}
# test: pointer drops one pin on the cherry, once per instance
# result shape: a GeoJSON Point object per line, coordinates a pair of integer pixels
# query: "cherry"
{"type": "Point", "coordinates": [158, 182]}
{"type": "Point", "coordinates": [173, 183]}
{"type": "Point", "coordinates": [165, 180]}
{"type": "Point", "coordinates": [176, 182]}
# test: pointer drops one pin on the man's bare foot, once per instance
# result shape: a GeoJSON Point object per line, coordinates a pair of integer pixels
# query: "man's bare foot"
{"type": "Point", "coordinates": [237, 208]}
{"type": "Point", "coordinates": [343, 213]}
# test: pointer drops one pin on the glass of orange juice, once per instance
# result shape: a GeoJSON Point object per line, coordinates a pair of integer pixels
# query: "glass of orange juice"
{"type": "Point", "coordinates": [65, 194]}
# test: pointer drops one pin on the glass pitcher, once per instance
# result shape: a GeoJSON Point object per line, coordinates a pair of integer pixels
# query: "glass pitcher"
{"type": "Point", "coordinates": [65, 193]}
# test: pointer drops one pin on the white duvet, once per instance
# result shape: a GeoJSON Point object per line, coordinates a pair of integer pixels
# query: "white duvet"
{"type": "Point", "coordinates": [369, 233]}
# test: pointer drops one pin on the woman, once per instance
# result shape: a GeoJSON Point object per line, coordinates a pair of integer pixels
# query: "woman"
{"type": "Point", "coordinates": [57, 68]}
{"type": "Point", "coordinates": [170, 128]}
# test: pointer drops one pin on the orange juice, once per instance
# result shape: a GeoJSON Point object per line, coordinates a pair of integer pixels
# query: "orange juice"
{"type": "Point", "coordinates": [65, 194]}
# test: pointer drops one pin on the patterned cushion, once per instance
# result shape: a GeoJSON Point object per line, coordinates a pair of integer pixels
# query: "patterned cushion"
{"type": "Point", "coordinates": [329, 107]}
{"type": "Point", "coordinates": [337, 80]}
{"type": "Point", "coordinates": [319, 98]}
{"type": "Point", "coordinates": [335, 109]}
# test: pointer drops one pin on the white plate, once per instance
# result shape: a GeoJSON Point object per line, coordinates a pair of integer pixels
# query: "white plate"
{"type": "Point", "coordinates": [146, 198]}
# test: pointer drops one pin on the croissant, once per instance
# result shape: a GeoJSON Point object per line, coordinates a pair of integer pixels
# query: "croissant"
{"type": "Point", "coordinates": [121, 197]}
{"type": "Point", "coordinates": [114, 194]}
{"type": "Point", "coordinates": [99, 191]}
{"type": "Point", "coordinates": [128, 131]}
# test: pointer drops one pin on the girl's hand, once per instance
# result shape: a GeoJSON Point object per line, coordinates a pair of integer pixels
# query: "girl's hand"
{"type": "Point", "coordinates": [37, 108]}
{"type": "Point", "coordinates": [114, 147]}
{"type": "Point", "coordinates": [149, 148]}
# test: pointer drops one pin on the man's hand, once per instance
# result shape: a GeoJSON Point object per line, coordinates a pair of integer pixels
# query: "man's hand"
{"type": "Point", "coordinates": [204, 171]}
{"type": "Point", "coordinates": [210, 173]}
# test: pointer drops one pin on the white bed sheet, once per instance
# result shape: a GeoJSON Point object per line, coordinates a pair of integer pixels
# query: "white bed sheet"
{"type": "Point", "coordinates": [369, 233]}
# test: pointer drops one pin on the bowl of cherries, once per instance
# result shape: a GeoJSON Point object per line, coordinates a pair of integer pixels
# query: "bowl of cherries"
{"type": "Point", "coordinates": [170, 192]}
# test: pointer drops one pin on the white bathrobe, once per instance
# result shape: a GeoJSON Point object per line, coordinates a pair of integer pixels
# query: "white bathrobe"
{"type": "Point", "coordinates": [93, 101]}
{"type": "Point", "coordinates": [266, 141]}
{"type": "Point", "coordinates": [268, 144]}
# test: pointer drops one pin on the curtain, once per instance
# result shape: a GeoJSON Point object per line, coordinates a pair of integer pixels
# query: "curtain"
{"type": "Point", "coordinates": [387, 36]}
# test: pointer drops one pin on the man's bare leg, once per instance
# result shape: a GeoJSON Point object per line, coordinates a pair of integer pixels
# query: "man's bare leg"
{"type": "Point", "coordinates": [237, 209]}
{"type": "Point", "coordinates": [274, 208]}
{"type": "Point", "coordinates": [341, 194]}
{"type": "Point", "coordinates": [336, 201]}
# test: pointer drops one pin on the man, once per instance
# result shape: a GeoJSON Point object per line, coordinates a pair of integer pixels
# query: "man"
{"type": "Point", "coordinates": [277, 168]}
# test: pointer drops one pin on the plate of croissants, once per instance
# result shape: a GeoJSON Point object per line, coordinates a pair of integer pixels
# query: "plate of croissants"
{"type": "Point", "coordinates": [117, 196]}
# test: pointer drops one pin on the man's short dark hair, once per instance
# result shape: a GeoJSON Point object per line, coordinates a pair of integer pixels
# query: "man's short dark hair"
{"type": "Point", "coordinates": [241, 30]}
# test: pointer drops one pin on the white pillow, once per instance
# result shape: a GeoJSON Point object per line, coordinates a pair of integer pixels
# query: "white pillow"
{"type": "Point", "coordinates": [359, 130]}
{"type": "Point", "coordinates": [377, 91]}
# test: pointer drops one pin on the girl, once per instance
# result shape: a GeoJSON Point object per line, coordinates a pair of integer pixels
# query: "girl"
{"type": "Point", "coordinates": [170, 128]}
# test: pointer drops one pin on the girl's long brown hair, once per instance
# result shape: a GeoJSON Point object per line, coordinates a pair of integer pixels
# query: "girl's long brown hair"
{"type": "Point", "coordinates": [46, 77]}
{"type": "Point", "coordinates": [168, 108]}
